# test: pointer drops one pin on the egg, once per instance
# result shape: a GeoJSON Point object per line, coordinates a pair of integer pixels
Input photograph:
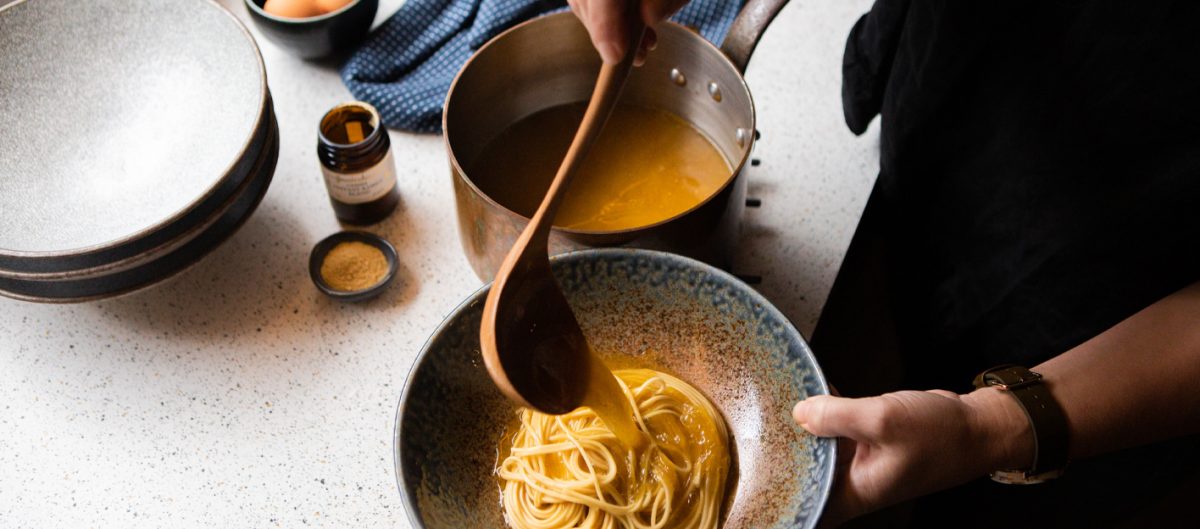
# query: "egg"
{"type": "Point", "coordinates": [293, 8]}
{"type": "Point", "coordinates": [329, 6]}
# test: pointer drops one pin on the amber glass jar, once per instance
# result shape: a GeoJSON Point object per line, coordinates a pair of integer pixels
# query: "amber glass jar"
{"type": "Point", "coordinates": [356, 158]}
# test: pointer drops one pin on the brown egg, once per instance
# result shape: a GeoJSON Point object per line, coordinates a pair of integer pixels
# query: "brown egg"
{"type": "Point", "coordinates": [293, 8]}
{"type": "Point", "coordinates": [329, 6]}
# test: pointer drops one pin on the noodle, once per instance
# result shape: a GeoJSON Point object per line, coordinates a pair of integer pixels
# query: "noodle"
{"type": "Point", "coordinates": [569, 471]}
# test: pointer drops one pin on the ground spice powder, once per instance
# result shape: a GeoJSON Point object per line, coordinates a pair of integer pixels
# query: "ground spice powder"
{"type": "Point", "coordinates": [353, 266]}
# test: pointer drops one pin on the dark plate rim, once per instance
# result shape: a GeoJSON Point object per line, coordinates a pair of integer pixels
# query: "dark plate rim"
{"type": "Point", "coordinates": [165, 239]}
{"type": "Point", "coordinates": [255, 188]}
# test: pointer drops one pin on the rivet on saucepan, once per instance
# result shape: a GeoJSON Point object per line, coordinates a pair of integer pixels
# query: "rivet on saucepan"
{"type": "Point", "coordinates": [714, 91]}
{"type": "Point", "coordinates": [741, 137]}
{"type": "Point", "coordinates": [678, 77]}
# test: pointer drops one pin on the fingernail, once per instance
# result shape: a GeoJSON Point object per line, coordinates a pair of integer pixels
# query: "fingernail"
{"type": "Point", "coordinates": [609, 52]}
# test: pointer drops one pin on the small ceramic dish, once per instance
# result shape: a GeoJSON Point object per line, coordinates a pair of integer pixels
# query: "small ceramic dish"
{"type": "Point", "coordinates": [319, 36]}
{"type": "Point", "coordinates": [322, 249]}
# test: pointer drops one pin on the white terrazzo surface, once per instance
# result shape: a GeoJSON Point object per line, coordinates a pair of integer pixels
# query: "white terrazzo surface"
{"type": "Point", "coordinates": [236, 395]}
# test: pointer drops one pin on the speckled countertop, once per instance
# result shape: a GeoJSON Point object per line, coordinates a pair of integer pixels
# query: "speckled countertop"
{"type": "Point", "coordinates": [236, 395]}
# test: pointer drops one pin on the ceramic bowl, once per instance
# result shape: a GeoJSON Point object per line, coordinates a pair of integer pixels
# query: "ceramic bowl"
{"type": "Point", "coordinates": [649, 309]}
{"type": "Point", "coordinates": [314, 37]}
{"type": "Point", "coordinates": [135, 201]}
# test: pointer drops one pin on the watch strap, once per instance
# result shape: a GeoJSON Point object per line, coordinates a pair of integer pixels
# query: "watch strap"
{"type": "Point", "coordinates": [1046, 418]}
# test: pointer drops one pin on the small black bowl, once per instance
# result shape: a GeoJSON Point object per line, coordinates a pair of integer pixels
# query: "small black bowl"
{"type": "Point", "coordinates": [322, 249]}
{"type": "Point", "coordinates": [313, 37]}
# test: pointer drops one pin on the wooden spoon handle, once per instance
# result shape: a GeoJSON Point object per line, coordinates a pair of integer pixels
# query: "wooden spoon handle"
{"type": "Point", "coordinates": [604, 98]}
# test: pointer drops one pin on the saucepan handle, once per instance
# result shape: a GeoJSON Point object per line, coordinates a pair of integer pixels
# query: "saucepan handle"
{"type": "Point", "coordinates": [748, 28]}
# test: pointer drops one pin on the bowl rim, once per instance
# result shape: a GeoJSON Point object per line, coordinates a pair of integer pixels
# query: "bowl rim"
{"type": "Point", "coordinates": [258, 10]}
{"type": "Point", "coordinates": [828, 473]}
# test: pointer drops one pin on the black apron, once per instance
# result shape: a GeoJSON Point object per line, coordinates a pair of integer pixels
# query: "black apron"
{"type": "Point", "coordinates": [1039, 182]}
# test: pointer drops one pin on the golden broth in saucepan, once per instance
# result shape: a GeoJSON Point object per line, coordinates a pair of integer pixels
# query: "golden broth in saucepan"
{"type": "Point", "coordinates": [648, 166]}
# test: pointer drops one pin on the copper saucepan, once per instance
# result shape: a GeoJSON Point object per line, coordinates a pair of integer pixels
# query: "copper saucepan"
{"type": "Point", "coordinates": [549, 61]}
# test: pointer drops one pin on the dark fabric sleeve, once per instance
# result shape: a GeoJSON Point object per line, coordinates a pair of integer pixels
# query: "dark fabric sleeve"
{"type": "Point", "coordinates": [867, 64]}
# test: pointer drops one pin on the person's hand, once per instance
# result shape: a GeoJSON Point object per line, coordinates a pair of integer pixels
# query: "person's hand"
{"type": "Point", "coordinates": [902, 445]}
{"type": "Point", "coordinates": [606, 22]}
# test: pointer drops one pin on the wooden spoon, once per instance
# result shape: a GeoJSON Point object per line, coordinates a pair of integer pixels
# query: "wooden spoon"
{"type": "Point", "coordinates": [532, 344]}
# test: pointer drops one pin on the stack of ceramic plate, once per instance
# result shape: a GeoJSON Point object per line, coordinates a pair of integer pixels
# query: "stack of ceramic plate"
{"type": "Point", "coordinates": [137, 137]}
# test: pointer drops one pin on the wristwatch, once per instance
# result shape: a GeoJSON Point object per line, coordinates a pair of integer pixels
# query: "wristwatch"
{"type": "Point", "coordinates": [1049, 423]}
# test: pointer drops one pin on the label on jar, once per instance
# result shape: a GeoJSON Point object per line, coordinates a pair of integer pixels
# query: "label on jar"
{"type": "Point", "coordinates": [365, 186]}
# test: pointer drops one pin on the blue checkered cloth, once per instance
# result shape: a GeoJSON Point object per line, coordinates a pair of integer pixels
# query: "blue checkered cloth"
{"type": "Point", "coordinates": [405, 67]}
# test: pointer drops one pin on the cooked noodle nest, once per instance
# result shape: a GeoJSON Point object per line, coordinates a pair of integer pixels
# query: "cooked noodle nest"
{"type": "Point", "coordinates": [570, 471]}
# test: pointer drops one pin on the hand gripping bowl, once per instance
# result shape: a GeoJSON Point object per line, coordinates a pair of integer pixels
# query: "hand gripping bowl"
{"type": "Point", "coordinates": [649, 309]}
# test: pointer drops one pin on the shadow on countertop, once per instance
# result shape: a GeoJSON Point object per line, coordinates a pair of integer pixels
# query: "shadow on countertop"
{"type": "Point", "coordinates": [255, 288]}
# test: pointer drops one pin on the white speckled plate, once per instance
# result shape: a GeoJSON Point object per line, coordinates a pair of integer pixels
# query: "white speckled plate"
{"type": "Point", "coordinates": [125, 125]}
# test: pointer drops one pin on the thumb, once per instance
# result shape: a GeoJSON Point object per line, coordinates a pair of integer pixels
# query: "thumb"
{"type": "Point", "coordinates": [828, 416]}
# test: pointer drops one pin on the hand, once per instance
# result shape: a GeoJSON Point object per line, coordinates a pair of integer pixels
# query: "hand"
{"type": "Point", "coordinates": [605, 22]}
{"type": "Point", "coordinates": [902, 445]}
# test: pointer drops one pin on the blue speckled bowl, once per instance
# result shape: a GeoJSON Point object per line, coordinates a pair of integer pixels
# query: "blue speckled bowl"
{"type": "Point", "coordinates": [652, 309]}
